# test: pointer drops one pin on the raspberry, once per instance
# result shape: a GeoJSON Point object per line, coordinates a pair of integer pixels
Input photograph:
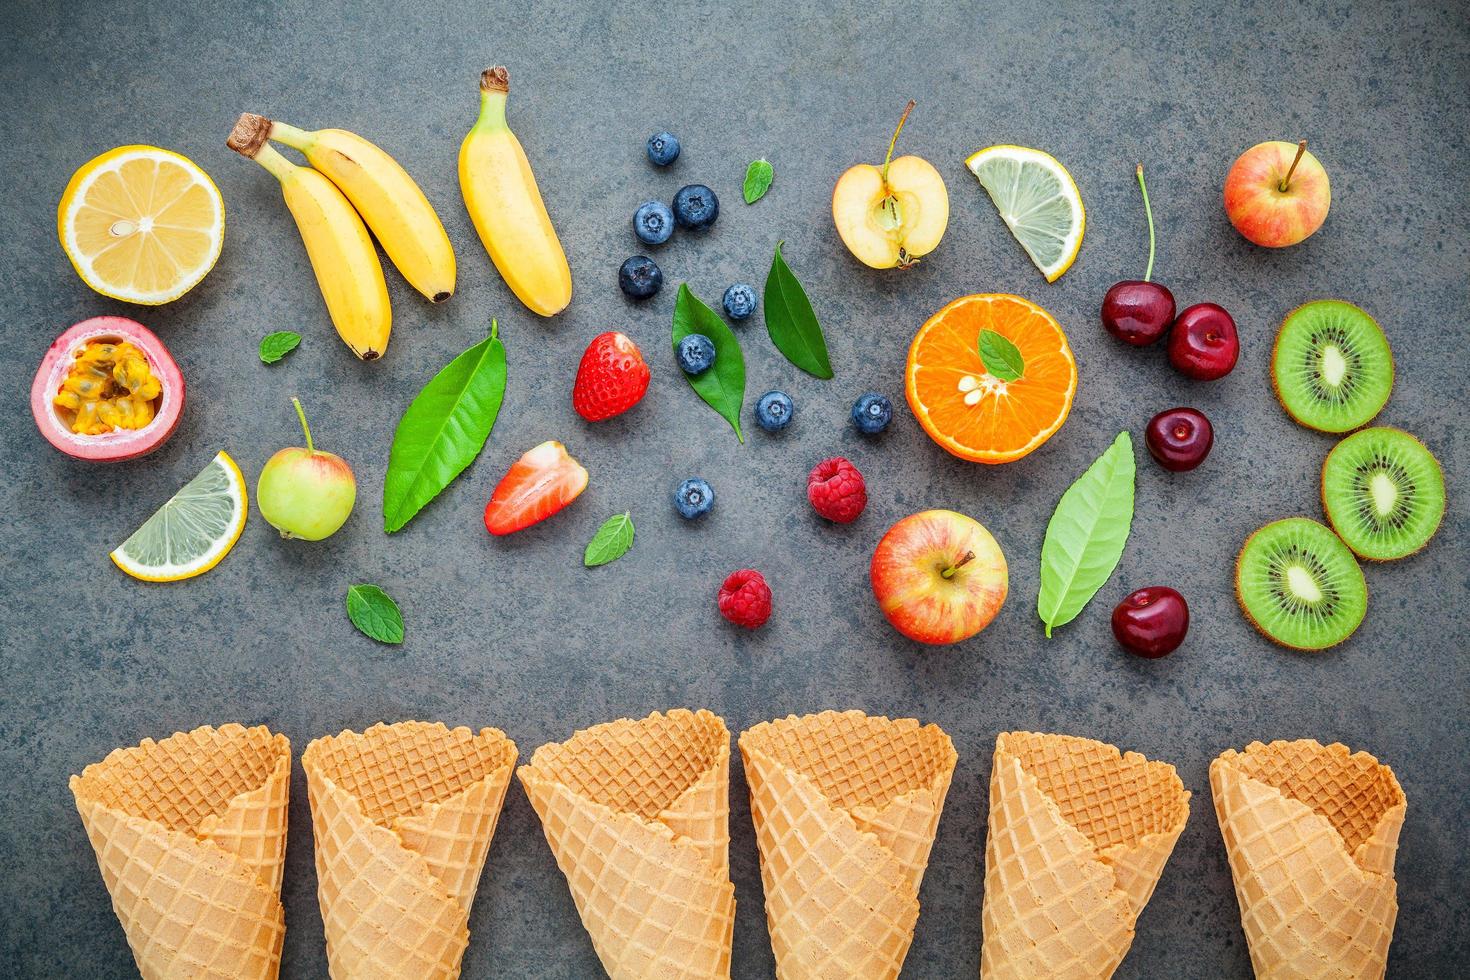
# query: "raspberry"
{"type": "Point", "coordinates": [836, 490]}
{"type": "Point", "coordinates": [745, 599]}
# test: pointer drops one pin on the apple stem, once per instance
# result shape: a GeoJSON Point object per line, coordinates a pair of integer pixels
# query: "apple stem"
{"type": "Point", "coordinates": [894, 142]}
{"type": "Point", "coordinates": [1149, 213]}
{"type": "Point", "coordinates": [948, 573]}
{"type": "Point", "coordinates": [301, 414]}
{"type": "Point", "coordinates": [1285, 185]}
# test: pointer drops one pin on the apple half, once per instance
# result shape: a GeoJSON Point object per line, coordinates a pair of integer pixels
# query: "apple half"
{"type": "Point", "coordinates": [891, 216]}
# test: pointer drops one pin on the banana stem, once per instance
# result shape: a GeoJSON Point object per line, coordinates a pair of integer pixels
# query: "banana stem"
{"type": "Point", "coordinates": [494, 87]}
{"type": "Point", "coordinates": [297, 139]}
{"type": "Point", "coordinates": [1149, 213]}
{"type": "Point", "coordinates": [270, 158]}
{"type": "Point", "coordinates": [894, 142]}
{"type": "Point", "coordinates": [306, 429]}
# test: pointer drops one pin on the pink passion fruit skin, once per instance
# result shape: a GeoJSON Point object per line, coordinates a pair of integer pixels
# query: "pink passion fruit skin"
{"type": "Point", "coordinates": [109, 447]}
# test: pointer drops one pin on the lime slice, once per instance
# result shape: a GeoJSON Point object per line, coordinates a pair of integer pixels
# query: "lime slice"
{"type": "Point", "coordinates": [1038, 200]}
{"type": "Point", "coordinates": [191, 533]}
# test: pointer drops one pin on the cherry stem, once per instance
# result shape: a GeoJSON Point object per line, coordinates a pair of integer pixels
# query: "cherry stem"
{"type": "Point", "coordinates": [894, 142]}
{"type": "Point", "coordinates": [948, 573]}
{"type": "Point", "coordinates": [1149, 213]}
{"type": "Point", "coordinates": [1285, 185]}
{"type": "Point", "coordinates": [301, 414]}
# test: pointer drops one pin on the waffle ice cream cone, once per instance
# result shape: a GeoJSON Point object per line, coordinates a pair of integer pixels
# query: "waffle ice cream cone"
{"type": "Point", "coordinates": [1311, 831]}
{"type": "Point", "coordinates": [845, 808]}
{"type": "Point", "coordinates": [402, 816]}
{"type": "Point", "coordinates": [1079, 834]}
{"type": "Point", "coordinates": [637, 814]}
{"type": "Point", "coordinates": [190, 834]}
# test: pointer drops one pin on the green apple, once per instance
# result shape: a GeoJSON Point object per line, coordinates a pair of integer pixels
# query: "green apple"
{"type": "Point", "coordinates": [306, 493]}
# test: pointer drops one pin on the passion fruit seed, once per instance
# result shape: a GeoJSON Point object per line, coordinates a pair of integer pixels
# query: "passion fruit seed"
{"type": "Point", "coordinates": [110, 386]}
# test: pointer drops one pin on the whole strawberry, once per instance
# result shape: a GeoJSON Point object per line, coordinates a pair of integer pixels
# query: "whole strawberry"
{"type": "Point", "coordinates": [611, 378]}
{"type": "Point", "coordinates": [836, 490]}
{"type": "Point", "coordinates": [745, 599]}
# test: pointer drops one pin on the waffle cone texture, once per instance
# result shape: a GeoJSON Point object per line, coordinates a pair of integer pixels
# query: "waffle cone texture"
{"type": "Point", "coordinates": [1079, 833]}
{"type": "Point", "coordinates": [190, 835]}
{"type": "Point", "coordinates": [637, 814]}
{"type": "Point", "coordinates": [845, 808]}
{"type": "Point", "coordinates": [1312, 831]}
{"type": "Point", "coordinates": [403, 816]}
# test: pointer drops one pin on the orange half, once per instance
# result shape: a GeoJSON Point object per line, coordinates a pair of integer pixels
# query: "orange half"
{"type": "Point", "coordinates": [969, 411]}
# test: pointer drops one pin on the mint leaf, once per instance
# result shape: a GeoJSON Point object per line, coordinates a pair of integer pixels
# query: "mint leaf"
{"type": "Point", "coordinates": [374, 613]}
{"type": "Point", "coordinates": [791, 322]}
{"type": "Point", "coordinates": [611, 541]}
{"type": "Point", "coordinates": [758, 177]}
{"type": "Point", "coordinates": [1086, 535]}
{"type": "Point", "coordinates": [274, 346]}
{"type": "Point", "coordinates": [1002, 358]}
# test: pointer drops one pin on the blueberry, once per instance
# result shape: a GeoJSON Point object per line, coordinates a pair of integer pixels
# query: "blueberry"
{"type": "Point", "coordinates": [695, 206]}
{"type": "Point", "coordinates": [640, 277]}
{"type": "Point", "coordinates": [773, 411]}
{"type": "Point", "coordinates": [739, 301]}
{"type": "Point", "coordinates": [653, 223]}
{"type": "Point", "coordinates": [871, 413]}
{"type": "Point", "coordinates": [663, 149]}
{"type": "Point", "coordinates": [696, 353]}
{"type": "Point", "coordinates": [694, 498]}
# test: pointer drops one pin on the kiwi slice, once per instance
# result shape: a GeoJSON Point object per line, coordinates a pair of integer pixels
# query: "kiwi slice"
{"type": "Point", "coordinates": [1383, 492]}
{"type": "Point", "coordinates": [1300, 585]}
{"type": "Point", "coordinates": [1332, 368]}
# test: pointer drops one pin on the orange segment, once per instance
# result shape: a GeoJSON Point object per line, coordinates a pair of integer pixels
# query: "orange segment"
{"type": "Point", "coordinates": [970, 412]}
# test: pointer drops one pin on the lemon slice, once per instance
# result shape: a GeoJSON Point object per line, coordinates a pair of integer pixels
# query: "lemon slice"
{"type": "Point", "coordinates": [141, 224]}
{"type": "Point", "coordinates": [191, 533]}
{"type": "Point", "coordinates": [1038, 200]}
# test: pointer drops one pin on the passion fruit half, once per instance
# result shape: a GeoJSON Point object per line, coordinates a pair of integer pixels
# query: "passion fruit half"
{"type": "Point", "coordinates": [107, 390]}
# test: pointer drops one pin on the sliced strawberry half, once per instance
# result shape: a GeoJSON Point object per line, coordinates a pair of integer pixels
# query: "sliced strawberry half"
{"type": "Point", "coordinates": [539, 484]}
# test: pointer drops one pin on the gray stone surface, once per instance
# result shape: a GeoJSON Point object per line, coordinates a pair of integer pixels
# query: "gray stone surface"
{"type": "Point", "coordinates": [515, 633]}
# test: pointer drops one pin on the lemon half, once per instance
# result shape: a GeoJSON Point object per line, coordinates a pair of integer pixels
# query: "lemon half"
{"type": "Point", "coordinates": [191, 533]}
{"type": "Point", "coordinates": [141, 224]}
{"type": "Point", "coordinates": [1038, 201]}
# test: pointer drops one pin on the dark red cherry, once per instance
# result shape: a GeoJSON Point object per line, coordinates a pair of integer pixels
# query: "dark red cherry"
{"type": "Point", "coordinates": [1203, 344]}
{"type": "Point", "coordinates": [1151, 622]}
{"type": "Point", "coordinates": [1179, 438]}
{"type": "Point", "coordinates": [1138, 312]}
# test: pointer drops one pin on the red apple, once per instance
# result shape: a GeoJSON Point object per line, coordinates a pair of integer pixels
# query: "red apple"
{"type": "Point", "coordinates": [939, 577]}
{"type": "Point", "coordinates": [1277, 194]}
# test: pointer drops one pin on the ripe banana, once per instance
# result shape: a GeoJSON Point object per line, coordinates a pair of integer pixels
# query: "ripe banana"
{"type": "Point", "coordinates": [342, 255]}
{"type": "Point", "coordinates": [504, 203]}
{"type": "Point", "coordinates": [387, 198]}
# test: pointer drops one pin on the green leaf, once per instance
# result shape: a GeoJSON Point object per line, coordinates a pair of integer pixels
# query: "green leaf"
{"type": "Point", "coordinates": [611, 541]}
{"type": "Point", "coordinates": [723, 386]}
{"type": "Point", "coordinates": [444, 429]}
{"type": "Point", "coordinates": [274, 346]}
{"type": "Point", "coordinates": [790, 321]}
{"type": "Point", "coordinates": [1085, 537]}
{"type": "Point", "coordinates": [374, 613]}
{"type": "Point", "coordinates": [758, 177]}
{"type": "Point", "coordinates": [1002, 359]}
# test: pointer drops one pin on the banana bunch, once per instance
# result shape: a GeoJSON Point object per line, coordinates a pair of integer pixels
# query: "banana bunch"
{"type": "Point", "coordinates": [501, 195]}
{"type": "Point", "coordinates": [348, 177]}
